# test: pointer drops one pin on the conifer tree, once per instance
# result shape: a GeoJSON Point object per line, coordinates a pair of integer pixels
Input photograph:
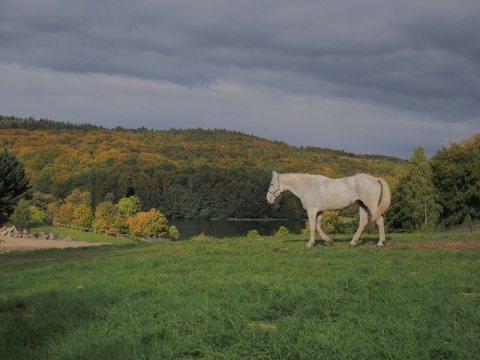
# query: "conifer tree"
{"type": "Point", "coordinates": [415, 202]}
{"type": "Point", "coordinates": [13, 183]}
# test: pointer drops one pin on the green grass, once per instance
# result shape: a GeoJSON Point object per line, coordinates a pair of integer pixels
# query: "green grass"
{"type": "Point", "coordinates": [81, 235]}
{"type": "Point", "coordinates": [266, 298]}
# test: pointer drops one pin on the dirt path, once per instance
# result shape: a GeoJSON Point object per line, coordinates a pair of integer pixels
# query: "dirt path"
{"type": "Point", "coordinates": [8, 243]}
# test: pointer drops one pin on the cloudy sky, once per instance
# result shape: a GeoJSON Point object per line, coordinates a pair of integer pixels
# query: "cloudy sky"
{"type": "Point", "coordinates": [368, 77]}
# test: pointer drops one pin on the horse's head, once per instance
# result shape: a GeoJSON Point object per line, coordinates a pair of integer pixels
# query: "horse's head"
{"type": "Point", "coordinates": [274, 189]}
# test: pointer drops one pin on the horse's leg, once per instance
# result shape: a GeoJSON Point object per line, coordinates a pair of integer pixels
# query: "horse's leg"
{"type": "Point", "coordinates": [381, 231]}
{"type": "Point", "coordinates": [361, 225]}
{"type": "Point", "coordinates": [319, 228]}
{"type": "Point", "coordinates": [312, 215]}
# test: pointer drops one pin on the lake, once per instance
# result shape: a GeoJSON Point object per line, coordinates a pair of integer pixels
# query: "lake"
{"type": "Point", "coordinates": [233, 228]}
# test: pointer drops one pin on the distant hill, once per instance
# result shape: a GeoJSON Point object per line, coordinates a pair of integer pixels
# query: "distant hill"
{"type": "Point", "coordinates": [185, 173]}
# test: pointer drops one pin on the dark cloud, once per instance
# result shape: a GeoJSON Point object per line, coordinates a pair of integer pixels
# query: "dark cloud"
{"type": "Point", "coordinates": [418, 59]}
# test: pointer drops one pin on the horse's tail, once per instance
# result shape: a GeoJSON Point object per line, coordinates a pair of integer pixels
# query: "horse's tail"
{"type": "Point", "coordinates": [385, 203]}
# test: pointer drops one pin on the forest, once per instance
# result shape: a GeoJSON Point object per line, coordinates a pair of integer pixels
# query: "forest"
{"type": "Point", "coordinates": [198, 173]}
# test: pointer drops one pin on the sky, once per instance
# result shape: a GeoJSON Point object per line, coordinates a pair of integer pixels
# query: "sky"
{"type": "Point", "coordinates": [367, 77]}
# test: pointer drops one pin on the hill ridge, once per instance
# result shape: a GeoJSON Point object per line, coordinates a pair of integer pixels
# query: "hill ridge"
{"type": "Point", "coordinates": [170, 167]}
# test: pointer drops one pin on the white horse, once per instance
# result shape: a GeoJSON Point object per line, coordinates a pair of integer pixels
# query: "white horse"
{"type": "Point", "coordinates": [319, 193]}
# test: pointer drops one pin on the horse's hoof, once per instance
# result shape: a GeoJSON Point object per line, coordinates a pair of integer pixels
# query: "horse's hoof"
{"type": "Point", "coordinates": [381, 245]}
{"type": "Point", "coordinates": [353, 245]}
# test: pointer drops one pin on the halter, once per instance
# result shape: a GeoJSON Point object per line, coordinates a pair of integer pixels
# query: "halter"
{"type": "Point", "coordinates": [278, 189]}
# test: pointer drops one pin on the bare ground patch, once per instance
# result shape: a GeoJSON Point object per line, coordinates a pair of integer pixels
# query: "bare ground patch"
{"type": "Point", "coordinates": [450, 245]}
{"type": "Point", "coordinates": [8, 243]}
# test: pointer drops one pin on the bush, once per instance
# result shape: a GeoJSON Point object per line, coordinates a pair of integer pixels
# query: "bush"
{"type": "Point", "coordinates": [332, 223]}
{"type": "Point", "coordinates": [201, 236]}
{"type": "Point", "coordinates": [173, 232]}
{"type": "Point", "coordinates": [282, 231]}
{"type": "Point", "coordinates": [253, 234]}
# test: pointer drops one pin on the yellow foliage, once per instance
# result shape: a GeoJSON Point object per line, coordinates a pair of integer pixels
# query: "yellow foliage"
{"type": "Point", "coordinates": [145, 224]}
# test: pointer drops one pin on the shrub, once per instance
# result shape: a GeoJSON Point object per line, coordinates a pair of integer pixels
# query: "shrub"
{"type": "Point", "coordinates": [306, 230]}
{"type": "Point", "coordinates": [201, 236]}
{"type": "Point", "coordinates": [282, 231]}
{"type": "Point", "coordinates": [253, 234]}
{"type": "Point", "coordinates": [173, 232]}
{"type": "Point", "coordinates": [332, 223]}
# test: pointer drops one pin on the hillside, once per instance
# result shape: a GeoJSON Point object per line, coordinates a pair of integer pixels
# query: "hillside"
{"type": "Point", "coordinates": [185, 173]}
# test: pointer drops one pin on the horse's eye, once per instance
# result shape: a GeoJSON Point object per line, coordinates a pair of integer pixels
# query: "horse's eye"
{"type": "Point", "coordinates": [271, 184]}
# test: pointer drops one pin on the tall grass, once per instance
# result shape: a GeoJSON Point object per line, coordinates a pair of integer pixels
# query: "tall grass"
{"type": "Point", "coordinates": [265, 298]}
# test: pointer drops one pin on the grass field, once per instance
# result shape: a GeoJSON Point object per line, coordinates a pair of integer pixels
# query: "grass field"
{"type": "Point", "coordinates": [265, 298]}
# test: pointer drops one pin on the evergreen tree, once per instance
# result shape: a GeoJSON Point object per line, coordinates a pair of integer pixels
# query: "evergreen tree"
{"type": "Point", "coordinates": [415, 202]}
{"type": "Point", "coordinates": [13, 183]}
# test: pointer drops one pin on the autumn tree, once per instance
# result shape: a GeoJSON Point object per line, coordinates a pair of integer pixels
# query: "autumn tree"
{"type": "Point", "coordinates": [82, 217]}
{"type": "Point", "coordinates": [104, 218]}
{"type": "Point", "coordinates": [126, 208]}
{"type": "Point", "coordinates": [13, 183]}
{"type": "Point", "coordinates": [52, 210]}
{"type": "Point", "coordinates": [415, 201]}
{"type": "Point", "coordinates": [146, 224]}
{"type": "Point", "coordinates": [64, 215]}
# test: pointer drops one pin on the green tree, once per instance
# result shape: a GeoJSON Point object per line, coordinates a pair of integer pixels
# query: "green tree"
{"type": "Point", "coordinates": [13, 183]}
{"type": "Point", "coordinates": [22, 215]}
{"type": "Point", "coordinates": [128, 207]}
{"type": "Point", "coordinates": [41, 201]}
{"type": "Point", "coordinates": [456, 175]}
{"type": "Point", "coordinates": [78, 197]}
{"type": "Point", "coordinates": [415, 201]}
{"type": "Point", "coordinates": [38, 216]}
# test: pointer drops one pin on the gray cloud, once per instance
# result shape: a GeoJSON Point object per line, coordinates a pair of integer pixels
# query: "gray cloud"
{"type": "Point", "coordinates": [344, 61]}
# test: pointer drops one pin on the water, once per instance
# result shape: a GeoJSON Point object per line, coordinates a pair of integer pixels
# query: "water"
{"type": "Point", "coordinates": [232, 228]}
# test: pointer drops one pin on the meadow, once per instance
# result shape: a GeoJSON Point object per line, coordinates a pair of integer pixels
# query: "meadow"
{"type": "Point", "coordinates": [239, 298]}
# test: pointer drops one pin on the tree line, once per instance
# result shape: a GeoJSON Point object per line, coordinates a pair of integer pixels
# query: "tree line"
{"type": "Point", "coordinates": [440, 192]}
{"type": "Point", "coordinates": [124, 218]}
